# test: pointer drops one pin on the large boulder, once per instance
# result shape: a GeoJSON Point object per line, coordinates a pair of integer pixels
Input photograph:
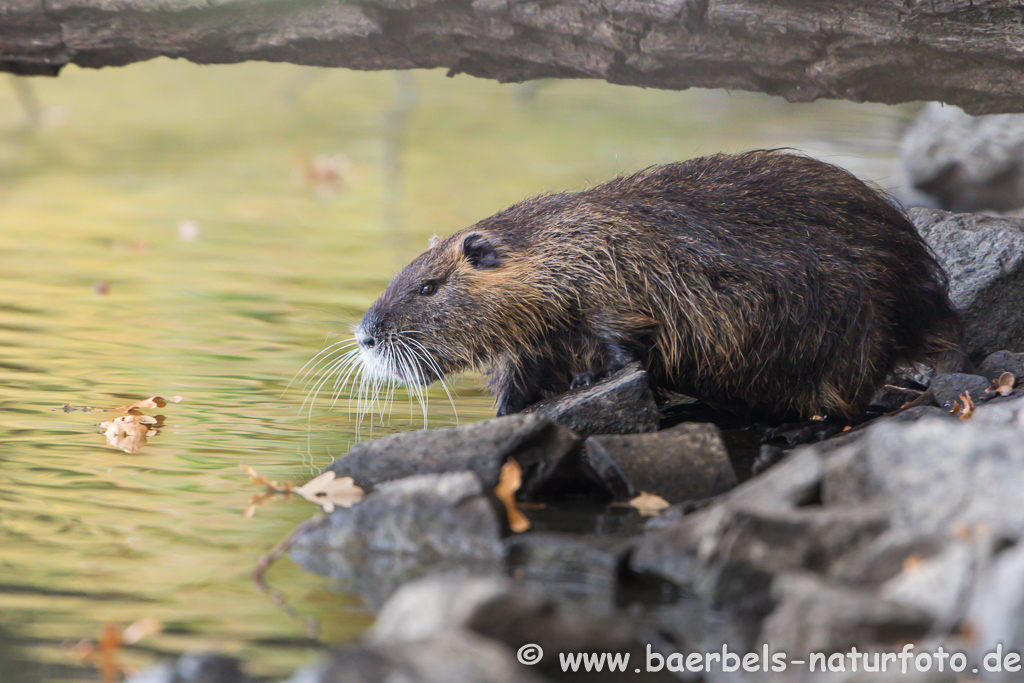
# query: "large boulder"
{"type": "Point", "coordinates": [620, 404]}
{"type": "Point", "coordinates": [687, 462]}
{"type": "Point", "coordinates": [403, 530]}
{"type": "Point", "coordinates": [984, 256]}
{"type": "Point", "coordinates": [547, 452]}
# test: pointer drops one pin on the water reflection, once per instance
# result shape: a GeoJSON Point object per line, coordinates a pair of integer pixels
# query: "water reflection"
{"type": "Point", "coordinates": [175, 187]}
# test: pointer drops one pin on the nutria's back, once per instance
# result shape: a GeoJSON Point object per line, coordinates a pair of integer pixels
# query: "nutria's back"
{"type": "Point", "coordinates": [762, 280]}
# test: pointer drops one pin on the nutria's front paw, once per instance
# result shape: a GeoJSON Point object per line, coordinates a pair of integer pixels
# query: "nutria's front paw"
{"type": "Point", "coordinates": [585, 379]}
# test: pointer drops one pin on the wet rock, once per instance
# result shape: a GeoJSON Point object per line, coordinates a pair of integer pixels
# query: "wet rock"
{"type": "Point", "coordinates": [984, 256]}
{"type": "Point", "coordinates": [548, 453]}
{"type": "Point", "coordinates": [620, 404]}
{"type": "Point", "coordinates": [448, 656]}
{"type": "Point", "coordinates": [404, 528]}
{"type": "Point", "coordinates": [997, 363]}
{"type": "Point", "coordinates": [198, 667]}
{"type": "Point", "coordinates": [947, 388]}
{"type": "Point", "coordinates": [686, 462]}
{"type": "Point", "coordinates": [585, 567]}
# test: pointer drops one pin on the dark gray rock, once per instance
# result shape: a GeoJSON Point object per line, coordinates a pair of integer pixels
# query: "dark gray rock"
{"type": "Point", "coordinates": [197, 667]}
{"type": "Point", "coordinates": [546, 451]}
{"type": "Point", "coordinates": [620, 404]}
{"type": "Point", "coordinates": [403, 529]}
{"type": "Point", "coordinates": [686, 462]}
{"type": "Point", "coordinates": [997, 363]}
{"type": "Point", "coordinates": [984, 256]}
{"type": "Point", "coordinates": [947, 388]}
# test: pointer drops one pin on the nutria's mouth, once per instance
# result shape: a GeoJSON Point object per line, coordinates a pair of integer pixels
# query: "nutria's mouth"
{"type": "Point", "coordinates": [396, 359]}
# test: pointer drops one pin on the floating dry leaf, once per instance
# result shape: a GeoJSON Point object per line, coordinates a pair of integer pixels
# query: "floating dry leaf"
{"type": "Point", "coordinates": [148, 404]}
{"type": "Point", "coordinates": [330, 491]}
{"type": "Point", "coordinates": [509, 480]}
{"type": "Point", "coordinates": [272, 490]}
{"type": "Point", "coordinates": [649, 504]}
{"type": "Point", "coordinates": [129, 432]}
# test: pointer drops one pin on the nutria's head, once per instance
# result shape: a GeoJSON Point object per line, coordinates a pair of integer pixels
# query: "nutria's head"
{"type": "Point", "coordinates": [457, 305]}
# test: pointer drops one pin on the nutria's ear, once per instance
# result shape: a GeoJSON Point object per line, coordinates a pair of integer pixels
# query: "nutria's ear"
{"type": "Point", "coordinates": [432, 242]}
{"type": "Point", "coordinates": [480, 252]}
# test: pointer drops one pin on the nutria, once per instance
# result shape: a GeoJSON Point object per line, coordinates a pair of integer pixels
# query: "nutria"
{"type": "Point", "coordinates": [765, 281]}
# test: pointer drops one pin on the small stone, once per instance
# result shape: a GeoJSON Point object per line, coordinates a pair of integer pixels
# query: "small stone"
{"type": "Point", "coordinates": [687, 462]}
{"type": "Point", "coordinates": [401, 530]}
{"type": "Point", "coordinates": [948, 388]}
{"type": "Point", "coordinates": [620, 404]}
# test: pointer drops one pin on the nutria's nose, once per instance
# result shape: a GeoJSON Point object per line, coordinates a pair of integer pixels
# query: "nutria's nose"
{"type": "Point", "coordinates": [364, 338]}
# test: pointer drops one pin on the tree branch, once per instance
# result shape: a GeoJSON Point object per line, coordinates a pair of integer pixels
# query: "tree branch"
{"type": "Point", "coordinates": [965, 52]}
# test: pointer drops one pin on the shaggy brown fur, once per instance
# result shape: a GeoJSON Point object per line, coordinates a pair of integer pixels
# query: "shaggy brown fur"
{"type": "Point", "coordinates": [765, 280]}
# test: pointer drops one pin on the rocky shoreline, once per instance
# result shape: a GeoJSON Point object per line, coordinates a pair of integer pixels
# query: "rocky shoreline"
{"type": "Point", "coordinates": [907, 529]}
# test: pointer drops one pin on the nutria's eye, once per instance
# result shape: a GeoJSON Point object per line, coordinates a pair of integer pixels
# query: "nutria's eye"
{"type": "Point", "coordinates": [428, 289]}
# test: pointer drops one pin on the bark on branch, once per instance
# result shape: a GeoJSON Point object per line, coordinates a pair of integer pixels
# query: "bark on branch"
{"type": "Point", "coordinates": [965, 52]}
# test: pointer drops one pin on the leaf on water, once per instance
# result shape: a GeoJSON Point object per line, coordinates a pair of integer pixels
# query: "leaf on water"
{"type": "Point", "coordinates": [330, 491]}
{"type": "Point", "coordinates": [271, 490]}
{"type": "Point", "coordinates": [140, 629]}
{"type": "Point", "coordinates": [148, 404]}
{"type": "Point", "coordinates": [509, 480]}
{"type": "Point", "coordinates": [649, 504]}
{"type": "Point", "coordinates": [129, 432]}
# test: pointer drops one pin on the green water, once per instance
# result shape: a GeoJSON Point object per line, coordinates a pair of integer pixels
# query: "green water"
{"type": "Point", "coordinates": [161, 234]}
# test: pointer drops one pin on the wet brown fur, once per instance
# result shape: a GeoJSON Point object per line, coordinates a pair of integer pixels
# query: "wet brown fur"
{"type": "Point", "coordinates": [764, 281]}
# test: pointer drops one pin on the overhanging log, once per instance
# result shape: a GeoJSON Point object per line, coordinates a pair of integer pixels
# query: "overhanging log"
{"type": "Point", "coordinates": [965, 52]}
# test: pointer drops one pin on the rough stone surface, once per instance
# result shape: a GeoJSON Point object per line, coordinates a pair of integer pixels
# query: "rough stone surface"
{"type": "Point", "coordinates": [402, 530]}
{"type": "Point", "coordinates": [539, 445]}
{"type": "Point", "coordinates": [686, 462]}
{"type": "Point", "coordinates": [620, 404]}
{"type": "Point", "coordinates": [801, 50]}
{"type": "Point", "coordinates": [999, 362]}
{"type": "Point", "coordinates": [948, 388]}
{"type": "Point", "coordinates": [984, 256]}
{"type": "Point", "coordinates": [900, 532]}
{"type": "Point", "coordinates": [963, 163]}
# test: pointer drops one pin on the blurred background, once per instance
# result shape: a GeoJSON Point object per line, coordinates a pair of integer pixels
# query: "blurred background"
{"type": "Point", "coordinates": [176, 230]}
